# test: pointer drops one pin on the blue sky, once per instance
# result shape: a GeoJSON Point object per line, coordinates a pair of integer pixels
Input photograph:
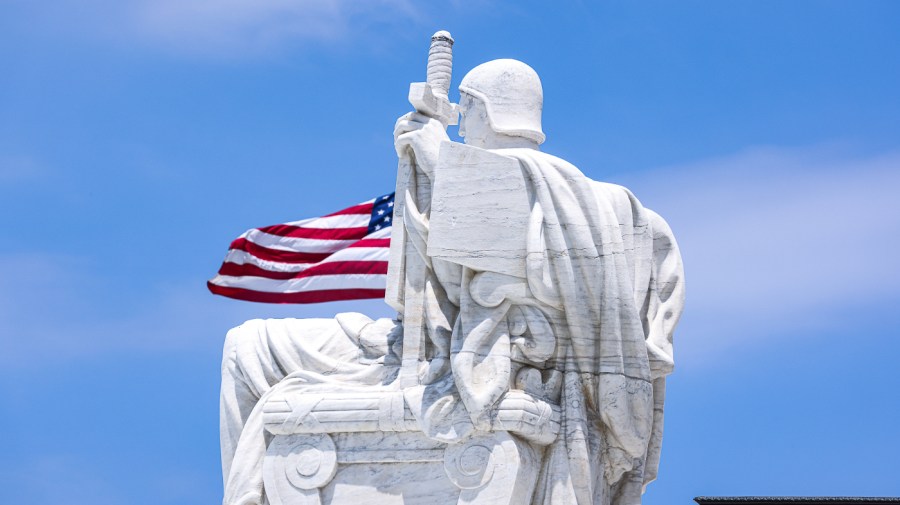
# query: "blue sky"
{"type": "Point", "coordinates": [138, 137]}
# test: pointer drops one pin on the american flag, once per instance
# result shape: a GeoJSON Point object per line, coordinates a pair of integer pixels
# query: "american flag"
{"type": "Point", "coordinates": [341, 256]}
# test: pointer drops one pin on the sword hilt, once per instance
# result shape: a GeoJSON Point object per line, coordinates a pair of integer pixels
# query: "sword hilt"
{"type": "Point", "coordinates": [440, 62]}
{"type": "Point", "coordinates": [430, 97]}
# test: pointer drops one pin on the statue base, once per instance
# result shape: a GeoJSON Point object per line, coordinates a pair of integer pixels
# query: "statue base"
{"type": "Point", "coordinates": [347, 457]}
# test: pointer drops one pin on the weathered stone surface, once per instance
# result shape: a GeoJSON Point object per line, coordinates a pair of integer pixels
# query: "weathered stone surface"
{"type": "Point", "coordinates": [528, 360]}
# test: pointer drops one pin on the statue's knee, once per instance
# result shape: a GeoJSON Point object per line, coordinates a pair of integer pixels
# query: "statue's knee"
{"type": "Point", "coordinates": [235, 339]}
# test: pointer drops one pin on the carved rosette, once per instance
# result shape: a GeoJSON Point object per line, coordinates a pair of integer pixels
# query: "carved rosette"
{"type": "Point", "coordinates": [470, 465]}
{"type": "Point", "coordinates": [296, 466]}
{"type": "Point", "coordinates": [493, 468]}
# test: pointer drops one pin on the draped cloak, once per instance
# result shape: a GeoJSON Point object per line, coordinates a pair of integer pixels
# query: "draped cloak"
{"type": "Point", "coordinates": [612, 269]}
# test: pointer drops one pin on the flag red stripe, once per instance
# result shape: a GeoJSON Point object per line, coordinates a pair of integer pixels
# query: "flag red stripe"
{"type": "Point", "coordinates": [372, 242]}
{"type": "Point", "coordinates": [345, 267]}
{"type": "Point", "coordinates": [363, 208]}
{"type": "Point", "coordinates": [329, 268]}
{"type": "Point", "coordinates": [330, 295]}
{"type": "Point", "coordinates": [284, 230]}
{"type": "Point", "coordinates": [235, 270]}
{"type": "Point", "coordinates": [265, 253]}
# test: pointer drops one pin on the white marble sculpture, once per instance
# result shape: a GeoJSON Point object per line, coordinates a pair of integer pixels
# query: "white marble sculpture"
{"type": "Point", "coordinates": [527, 363]}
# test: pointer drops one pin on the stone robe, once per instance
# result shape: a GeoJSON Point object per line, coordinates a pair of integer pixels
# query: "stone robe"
{"type": "Point", "coordinates": [602, 269]}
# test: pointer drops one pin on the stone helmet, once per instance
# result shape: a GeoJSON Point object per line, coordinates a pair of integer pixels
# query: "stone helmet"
{"type": "Point", "coordinates": [512, 94]}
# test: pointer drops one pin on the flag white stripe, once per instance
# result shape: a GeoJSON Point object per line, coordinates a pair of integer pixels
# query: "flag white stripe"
{"type": "Point", "coordinates": [348, 254]}
{"type": "Point", "coordinates": [245, 258]}
{"type": "Point", "coordinates": [382, 233]}
{"type": "Point", "coordinates": [339, 221]}
{"type": "Point", "coordinates": [303, 222]}
{"type": "Point", "coordinates": [317, 283]}
{"type": "Point", "coordinates": [359, 254]}
{"type": "Point", "coordinates": [295, 244]}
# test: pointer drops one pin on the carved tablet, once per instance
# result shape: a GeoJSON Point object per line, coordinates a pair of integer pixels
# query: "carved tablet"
{"type": "Point", "coordinates": [479, 210]}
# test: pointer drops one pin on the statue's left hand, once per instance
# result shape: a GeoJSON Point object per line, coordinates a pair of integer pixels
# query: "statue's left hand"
{"type": "Point", "coordinates": [423, 135]}
{"type": "Point", "coordinates": [529, 417]}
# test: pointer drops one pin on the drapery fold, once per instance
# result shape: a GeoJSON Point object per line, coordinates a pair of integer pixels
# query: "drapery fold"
{"type": "Point", "coordinates": [614, 268]}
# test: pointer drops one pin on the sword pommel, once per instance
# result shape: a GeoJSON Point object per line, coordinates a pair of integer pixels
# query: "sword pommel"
{"type": "Point", "coordinates": [442, 35]}
{"type": "Point", "coordinates": [431, 97]}
{"type": "Point", "coordinates": [440, 62]}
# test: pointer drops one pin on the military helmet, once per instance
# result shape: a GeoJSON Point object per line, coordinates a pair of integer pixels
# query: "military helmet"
{"type": "Point", "coordinates": [512, 94]}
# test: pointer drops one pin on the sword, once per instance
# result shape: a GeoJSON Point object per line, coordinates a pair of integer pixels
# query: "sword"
{"type": "Point", "coordinates": [407, 270]}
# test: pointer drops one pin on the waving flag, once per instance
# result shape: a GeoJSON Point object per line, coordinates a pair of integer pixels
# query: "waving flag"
{"type": "Point", "coordinates": [341, 256]}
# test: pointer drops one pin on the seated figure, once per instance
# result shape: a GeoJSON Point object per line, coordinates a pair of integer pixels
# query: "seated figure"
{"type": "Point", "coordinates": [535, 314]}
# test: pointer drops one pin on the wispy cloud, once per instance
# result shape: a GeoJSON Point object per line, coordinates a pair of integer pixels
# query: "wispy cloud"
{"type": "Point", "coordinates": [100, 478]}
{"type": "Point", "coordinates": [15, 168]}
{"type": "Point", "coordinates": [62, 309]}
{"type": "Point", "coordinates": [244, 26]}
{"type": "Point", "coordinates": [779, 241]}
{"type": "Point", "coordinates": [218, 28]}
{"type": "Point", "coordinates": [60, 478]}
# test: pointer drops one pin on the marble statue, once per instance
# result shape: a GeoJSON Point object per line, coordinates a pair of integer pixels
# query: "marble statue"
{"type": "Point", "coordinates": [527, 362]}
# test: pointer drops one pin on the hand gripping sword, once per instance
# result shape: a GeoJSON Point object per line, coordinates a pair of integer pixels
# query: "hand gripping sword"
{"type": "Point", "coordinates": [407, 268]}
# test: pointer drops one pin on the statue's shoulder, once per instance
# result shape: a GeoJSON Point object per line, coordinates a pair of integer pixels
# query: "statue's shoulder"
{"type": "Point", "coordinates": [544, 163]}
{"type": "Point", "coordinates": [622, 198]}
{"type": "Point", "coordinates": [613, 190]}
{"type": "Point", "coordinates": [619, 195]}
{"type": "Point", "coordinates": [533, 155]}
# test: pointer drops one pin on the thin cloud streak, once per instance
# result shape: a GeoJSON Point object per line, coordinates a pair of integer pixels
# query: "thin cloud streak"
{"type": "Point", "coordinates": [248, 26]}
{"type": "Point", "coordinates": [60, 478]}
{"type": "Point", "coordinates": [778, 242]}
{"type": "Point", "coordinates": [217, 29]}
{"type": "Point", "coordinates": [18, 168]}
{"type": "Point", "coordinates": [55, 309]}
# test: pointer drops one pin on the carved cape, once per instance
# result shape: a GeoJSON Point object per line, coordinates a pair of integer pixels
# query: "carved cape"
{"type": "Point", "coordinates": [614, 270]}
{"type": "Point", "coordinates": [608, 275]}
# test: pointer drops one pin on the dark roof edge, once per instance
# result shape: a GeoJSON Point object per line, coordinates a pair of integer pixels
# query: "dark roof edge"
{"type": "Point", "coordinates": [806, 500]}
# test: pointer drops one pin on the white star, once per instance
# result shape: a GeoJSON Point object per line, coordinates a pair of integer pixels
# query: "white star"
{"type": "Point", "coordinates": [385, 197]}
{"type": "Point", "coordinates": [377, 226]}
{"type": "Point", "coordinates": [388, 219]}
{"type": "Point", "coordinates": [391, 204]}
{"type": "Point", "coordinates": [380, 212]}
